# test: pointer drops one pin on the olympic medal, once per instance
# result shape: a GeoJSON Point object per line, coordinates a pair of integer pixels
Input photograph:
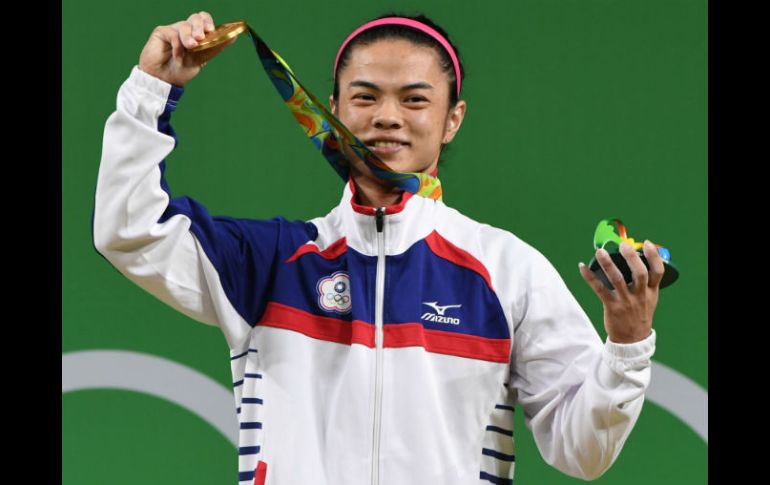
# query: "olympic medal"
{"type": "Point", "coordinates": [220, 35]}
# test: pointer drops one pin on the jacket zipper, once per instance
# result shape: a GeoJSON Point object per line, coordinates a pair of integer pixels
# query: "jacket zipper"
{"type": "Point", "coordinates": [378, 343]}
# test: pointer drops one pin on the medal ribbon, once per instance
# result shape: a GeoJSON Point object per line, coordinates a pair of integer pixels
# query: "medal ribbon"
{"type": "Point", "coordinates": [328, 134]}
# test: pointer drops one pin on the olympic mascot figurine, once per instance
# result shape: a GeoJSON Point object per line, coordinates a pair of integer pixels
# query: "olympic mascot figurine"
{"type": "Point", "coordinates": [609, 234]}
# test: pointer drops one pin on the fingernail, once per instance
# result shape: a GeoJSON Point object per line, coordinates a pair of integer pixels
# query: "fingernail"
{"type": "Point", "coordinates": [580, 265]}
{"type": "Point", "coordinates": [625, 245]}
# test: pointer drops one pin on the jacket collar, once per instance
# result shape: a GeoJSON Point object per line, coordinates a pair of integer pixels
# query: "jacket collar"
{"type": "Point", "coordinates": [369, 210]}
{"type": "Point", "coordinates": [407, 221]}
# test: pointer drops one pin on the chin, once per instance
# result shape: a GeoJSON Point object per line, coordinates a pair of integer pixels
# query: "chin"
{"type": "Point", "coordinates": [404, 166]}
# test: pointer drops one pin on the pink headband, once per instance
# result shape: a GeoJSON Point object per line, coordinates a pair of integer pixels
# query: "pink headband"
{"type": "Point", "coordinates": [410, 23]}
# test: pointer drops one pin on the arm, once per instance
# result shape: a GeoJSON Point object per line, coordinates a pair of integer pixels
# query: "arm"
{"type": "Point", "coordinates": [214, 269]}
{"type": "Point", "coordinates": [136, 227]}
{"type": "Point", "coordinates": [581, 399]}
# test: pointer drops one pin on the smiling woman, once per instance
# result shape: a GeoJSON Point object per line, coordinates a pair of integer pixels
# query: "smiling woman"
{"type": "Point", "coordinates": [397, 84]}
{"type": "Point", "coordinates": [389, 341]}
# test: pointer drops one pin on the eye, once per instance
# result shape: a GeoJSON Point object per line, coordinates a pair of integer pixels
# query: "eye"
{"type": "Point", "coordinates": [364, 96]}
{"type": "Point", "coordinates": [416, 99]}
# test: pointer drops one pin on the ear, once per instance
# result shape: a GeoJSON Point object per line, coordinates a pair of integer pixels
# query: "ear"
{"type": "Point", "coordinates": [332, 105]}
{"type": "Point", "coordinates": [453, 121]}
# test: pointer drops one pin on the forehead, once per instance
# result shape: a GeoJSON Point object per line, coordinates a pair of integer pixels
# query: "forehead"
{"type": "Point", "coordinates": [397, 61]}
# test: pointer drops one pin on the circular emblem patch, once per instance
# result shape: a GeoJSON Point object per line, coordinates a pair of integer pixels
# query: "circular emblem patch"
{"type": "Point", "coordinates": [334, 292]}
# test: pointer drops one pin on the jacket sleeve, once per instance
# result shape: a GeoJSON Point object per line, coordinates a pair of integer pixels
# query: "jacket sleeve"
{"type": "Point", "coordinates": [580, 398]}
{"type": "Point", "coordinates": [216, 270]}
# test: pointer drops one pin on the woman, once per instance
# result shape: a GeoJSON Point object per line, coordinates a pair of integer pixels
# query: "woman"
{"type": "Point", "coordinates": [388, 341]}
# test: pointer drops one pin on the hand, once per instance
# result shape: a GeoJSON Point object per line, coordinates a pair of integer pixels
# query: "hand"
{"type": "Point", "coordinates": [166, 57]}
{"type": "Point", "coordinates": [628, 309]}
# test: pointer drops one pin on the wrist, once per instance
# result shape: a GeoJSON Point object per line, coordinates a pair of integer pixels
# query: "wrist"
{"type": "Point", "coordinates": [628, 338]}
{"type": "Point", "coordinates": [150, 71]}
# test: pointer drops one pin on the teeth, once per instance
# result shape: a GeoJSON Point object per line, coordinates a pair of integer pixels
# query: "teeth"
{"type": "Point", "coordinates": [388, 144]}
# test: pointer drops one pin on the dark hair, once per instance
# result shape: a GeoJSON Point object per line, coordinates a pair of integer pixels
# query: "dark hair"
{"type": "Point", "coordinates": [414, 36]}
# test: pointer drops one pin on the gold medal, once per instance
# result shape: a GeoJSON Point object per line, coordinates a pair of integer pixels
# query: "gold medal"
{"type": "Point", "coordinates": [220, 35]}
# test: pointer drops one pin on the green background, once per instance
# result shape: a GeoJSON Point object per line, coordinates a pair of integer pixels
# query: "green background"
{"type": "Point", "coordinates": [577, 111]}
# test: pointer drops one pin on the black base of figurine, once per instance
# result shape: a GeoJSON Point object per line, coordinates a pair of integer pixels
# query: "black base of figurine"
{"type": "Point", "coordinates": [670, 275]}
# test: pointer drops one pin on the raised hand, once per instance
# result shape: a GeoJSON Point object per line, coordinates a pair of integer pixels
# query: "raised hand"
{"type": "Point", "coordinates": [166, 54]}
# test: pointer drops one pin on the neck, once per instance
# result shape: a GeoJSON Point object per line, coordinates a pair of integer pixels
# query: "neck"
{"type": "Point", "coordinates": [373, 194]}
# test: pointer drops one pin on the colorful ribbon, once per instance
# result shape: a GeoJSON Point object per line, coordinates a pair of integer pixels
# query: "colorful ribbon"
{"type": "Point", "coordinates": [326, 131]}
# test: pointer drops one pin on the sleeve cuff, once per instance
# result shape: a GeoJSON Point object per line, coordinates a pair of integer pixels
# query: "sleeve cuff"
{"type": "Point", "coordinates": [169, 92]}
{"type": "Point", "coordinates": [633, 356]}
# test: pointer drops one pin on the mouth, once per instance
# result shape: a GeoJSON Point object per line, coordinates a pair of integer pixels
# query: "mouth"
{"type": "Point", "coordinates": [385, 147]}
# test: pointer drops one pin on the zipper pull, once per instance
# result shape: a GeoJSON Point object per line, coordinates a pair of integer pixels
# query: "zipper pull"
{"type": "Point", "coordinates": [378, 214]}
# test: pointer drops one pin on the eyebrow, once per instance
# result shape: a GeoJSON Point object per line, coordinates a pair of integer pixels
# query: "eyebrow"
{"type": "Point", "coordinates": [406, 87]}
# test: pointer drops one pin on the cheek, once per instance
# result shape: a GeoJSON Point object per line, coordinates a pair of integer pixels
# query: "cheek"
{"type": "Point", "coordinates": [351, 117]}
{"type": "Point", "coordinates": [430, 126]}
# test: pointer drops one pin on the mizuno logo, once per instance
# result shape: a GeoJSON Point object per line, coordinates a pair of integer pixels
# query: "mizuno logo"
{"type": "Point", "coordinates": [439, 309]}
{"type": "Point", "coordinates": [440, 318]}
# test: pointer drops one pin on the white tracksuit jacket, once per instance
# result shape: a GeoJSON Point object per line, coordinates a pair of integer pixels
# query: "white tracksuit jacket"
{"type": "Point", "coordinates": [389, 355]}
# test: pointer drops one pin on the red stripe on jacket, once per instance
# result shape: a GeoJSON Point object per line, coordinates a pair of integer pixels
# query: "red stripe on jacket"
{"type": "Point", "coordinates": [396, 335]}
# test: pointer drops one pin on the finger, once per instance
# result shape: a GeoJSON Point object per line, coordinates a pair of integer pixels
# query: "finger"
{"type": "Point", "coordinates": [185, 34]}
{"type": "Point", "coordinates": [196, 21]}
{"type": "Point", "coordinates": [638, 270]}
{"type": "Point", "coordinates": [177, 50]}
{"type": "Point", "coordinates": [595, 283]}
{"type": "Point", "coordinates": [170, 36]}
{"type": "Point", "coordinates": [208, 21]}
{"type": "Point", "coordinates": [657, 268]}
{"type": "Point", "coordinates": [613, 273]}
{"type": "Point", "coordinates": [165, 33]}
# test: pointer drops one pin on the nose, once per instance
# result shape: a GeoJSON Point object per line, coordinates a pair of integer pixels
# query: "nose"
{"type": "Point", "coordinates": [387, 116]}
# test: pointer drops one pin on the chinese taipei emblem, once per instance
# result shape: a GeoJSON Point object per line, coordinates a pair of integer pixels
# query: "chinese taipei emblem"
{"type": "Point", "coordinates": [334, 292]}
